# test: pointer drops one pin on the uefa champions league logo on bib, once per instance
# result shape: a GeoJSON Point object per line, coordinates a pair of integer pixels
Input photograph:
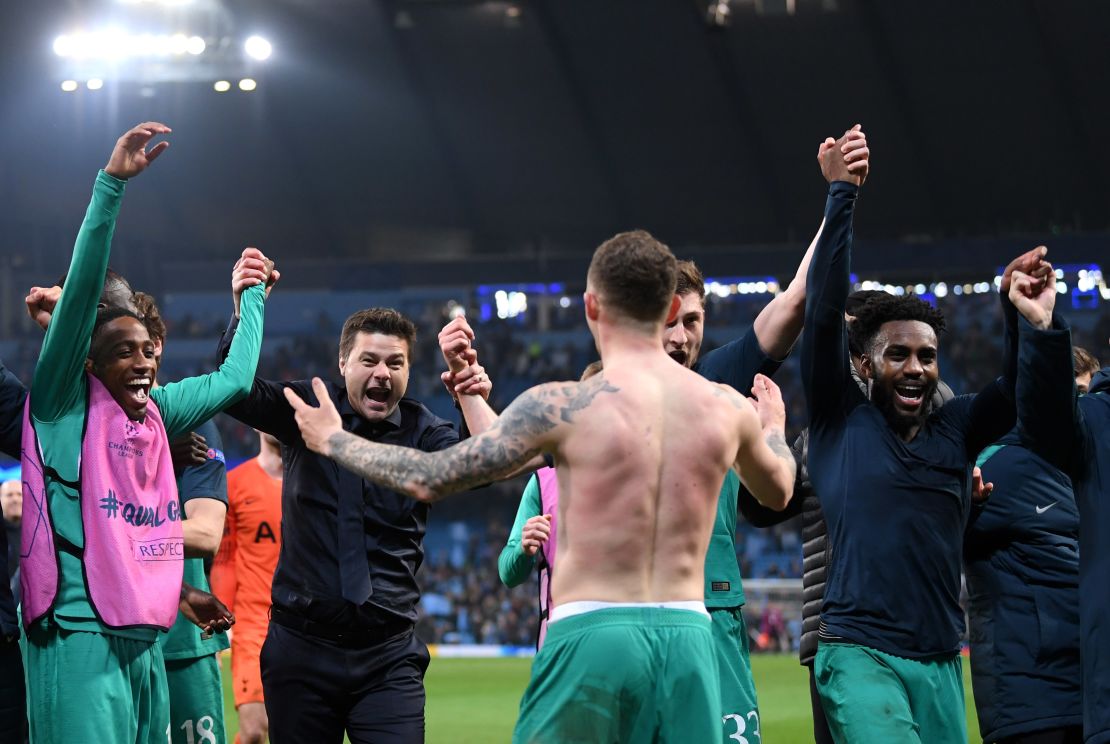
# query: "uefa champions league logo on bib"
{"type": "Point", "coordinates": [131, 430]}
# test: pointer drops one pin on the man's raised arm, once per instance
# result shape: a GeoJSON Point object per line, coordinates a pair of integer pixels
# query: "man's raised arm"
{"type": "Point", "coordinates": [59, 374]}
{"type": "Point", "coordinates": [764, 461]}
{"type": "Point", "coordinates": [1049, 418]}
{"type": "Point", "coordinates": [779, 324]}
{"type": "Point", "coordinates": [992, 412]}
{"type": "Point", "coordinates": [528, 427]}
{"type": "Point", "coordinates": [825, 377]}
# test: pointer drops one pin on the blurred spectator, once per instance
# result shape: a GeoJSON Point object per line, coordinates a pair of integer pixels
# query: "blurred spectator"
{"type": "Point", "coordinates": [11, 500]}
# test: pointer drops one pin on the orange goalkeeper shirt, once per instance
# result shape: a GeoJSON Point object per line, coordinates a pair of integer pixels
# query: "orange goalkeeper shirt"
{"type": "Point", "coordinates": [243, 569]}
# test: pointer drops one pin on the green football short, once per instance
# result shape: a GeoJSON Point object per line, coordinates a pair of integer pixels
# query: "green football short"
{"type": "Point", "coordinates": [196, 701]}
{"type": "Point", "coordinates": [623, 674]}
{"type": "Point", "coordinates": [739, 710]}
{"type": "Point", "coordinates": [871, 696]}
{"type": "Point", "coordinates": [90, 687]}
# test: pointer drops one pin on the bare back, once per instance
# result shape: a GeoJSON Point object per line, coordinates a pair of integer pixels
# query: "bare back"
{"type": "Point", "coordinates": [640, 463]}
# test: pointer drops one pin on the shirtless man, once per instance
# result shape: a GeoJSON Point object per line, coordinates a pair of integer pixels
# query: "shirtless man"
{"type": "Point", "coordinates": [641, 451]}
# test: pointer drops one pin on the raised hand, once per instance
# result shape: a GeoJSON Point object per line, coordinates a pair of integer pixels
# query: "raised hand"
{"type": "Point", "coordinates": [454, 342]}
{"type": "Point", "coordinates": [845, 159]}
{"type": "Point", "coordinates": [769, 404]}
{"type": "Point", "coordinates": [130, 156]}
{"type": "Point", "coordinates": [317, 424]}
{"type": "Point", "coordinates": [1032, 262]}
{"type": "Point", "coordinates": [1034, 298]}
{"type": "Point", "coordinates": [41, 302]}
{"type": "Point", "coordinates": [536, 532]}
{"type": "Point", "coordinates": [471, 381]}
{"type": "Point", "coordinates": [252, 268]}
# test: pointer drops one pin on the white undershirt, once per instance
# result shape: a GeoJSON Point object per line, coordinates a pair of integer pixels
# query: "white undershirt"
{"type": "Point", "coordinates": [570, 609]}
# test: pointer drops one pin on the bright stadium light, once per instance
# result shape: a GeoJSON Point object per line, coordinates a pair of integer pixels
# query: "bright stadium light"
{"type": "Point", "coordinates": [116, 43]}
{"type": "Point", "coordinates": [179, 44]}
{"type": "Point", "coordinates": [258, 48]}
{"type": "Point", "coordinates": [63, 46]}
{"type": "Point", "coordinates": [69, 85]}
{"type": "Point", "coordinates": [222, 86]}
{"type": "Point", "coordinates": [94, 84]}
{"type": "Point", "coordinates": [247, 84]}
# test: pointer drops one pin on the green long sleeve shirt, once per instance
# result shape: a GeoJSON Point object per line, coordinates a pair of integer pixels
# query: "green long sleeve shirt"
{"type": "Point", "coordinates": [513, 566]}
{"type": "Point", "coordinates": [59, 396]}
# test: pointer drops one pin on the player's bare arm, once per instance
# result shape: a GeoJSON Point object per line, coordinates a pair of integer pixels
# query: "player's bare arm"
{"type": "Point", "coordinates": [469, 385]}
{"type": "Point", "coordinates": [779, 324]}
{"type": "Point", "coordinates": [526, 428]}
{"type": "Point", "coordinates": [764, 461]}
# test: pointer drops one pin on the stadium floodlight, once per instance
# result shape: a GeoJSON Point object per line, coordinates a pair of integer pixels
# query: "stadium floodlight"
{"type": "Point", "coordinates": [69, 85]}
{"type": "Point", "coordinates": [116, 43]}
{"type": "Point", "coordinates": [94, 84]}
{"type": "Point", "coordinates": [222, 86]}
{"type": "Point", "coordinates": [179, 44]}
{"type": "Point", "coordinates": [258, 48]}
{"type": "Point", "coordinates": [247, 84]}
{"type": "Point", "coordinates": [63, 46]}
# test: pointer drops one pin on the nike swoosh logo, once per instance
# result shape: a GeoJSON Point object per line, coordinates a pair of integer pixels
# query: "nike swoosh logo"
{"type": "Point", "coordinates": [1043, 509]}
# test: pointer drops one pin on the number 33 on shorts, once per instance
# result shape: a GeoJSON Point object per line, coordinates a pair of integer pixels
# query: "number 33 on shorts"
{"type": "Point", "coordinates": [746, 726]}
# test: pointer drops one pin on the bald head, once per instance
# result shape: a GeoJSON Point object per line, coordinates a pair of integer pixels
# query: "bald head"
{"type": "Point", "coordinates": [11, 499]}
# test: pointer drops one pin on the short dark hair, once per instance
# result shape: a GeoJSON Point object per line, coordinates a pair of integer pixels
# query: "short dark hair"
{"type": "Point", "coordinates": [104, 316]}
{"type": "Point", "coordinates": [871, 316]}
{"type": "Point", "coordinates": [384, 320]}
{"type": "Point", "coordinates": [861, 297]}
{"type": "Point", "coordinates": [593, 368]}
{"type": "Point", "coordinates": [1084, 361]}
{"type": "Point", "coordinates": [635, 274]}
{"type": "Point", "coordinates": [150, 315]}
{"type": "Point", "coordinates": [689, 279]}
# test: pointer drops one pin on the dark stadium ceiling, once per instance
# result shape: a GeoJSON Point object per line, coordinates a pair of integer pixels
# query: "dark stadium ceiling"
{"type": "Point", "coordinates": [443, 127]}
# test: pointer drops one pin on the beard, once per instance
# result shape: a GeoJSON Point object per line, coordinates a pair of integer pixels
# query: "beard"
{"type": "Point", "coordinates": [882, 397]}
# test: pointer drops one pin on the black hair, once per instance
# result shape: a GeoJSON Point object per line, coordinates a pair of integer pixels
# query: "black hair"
{"type": "Point", "coordinates": [872, 314]}
{"type": "Point", "coordinates": [104, 316]}
{"type": "Point", "coordinates": [861, 297]}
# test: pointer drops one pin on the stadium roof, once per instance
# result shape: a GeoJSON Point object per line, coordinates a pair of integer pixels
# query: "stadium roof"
{"type": "Point", "coordinates": [401, 127]}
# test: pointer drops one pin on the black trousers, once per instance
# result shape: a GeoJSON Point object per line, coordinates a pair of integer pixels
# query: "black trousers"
{"type": "Point", "coordinates": [13, 694]}
{"type": "Point", "coordinates": [821, 733]}
{"type": "Point", "coordinates": [317, 689]}
{"type": "Point", "coordinates": [1067, 735]}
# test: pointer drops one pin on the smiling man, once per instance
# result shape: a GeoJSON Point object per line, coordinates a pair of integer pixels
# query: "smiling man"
{"type": "Point", "coordinates": [102, 541]}
{"type": "Point", "coordinates": [895, 482]}
{"type": "Point", "coordinates": [341, 653]}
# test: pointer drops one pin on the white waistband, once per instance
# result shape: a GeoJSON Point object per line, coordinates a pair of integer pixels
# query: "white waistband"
{"type": "Point", "coordinates": [570, 609]}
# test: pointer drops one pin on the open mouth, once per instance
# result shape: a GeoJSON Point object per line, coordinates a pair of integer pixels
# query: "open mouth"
{"type": "Point", "coordinates": [678, 355]}
{"type": "Point", "coordinates": [138, 390]}
{"type": "Point", "coordinates": [910, 394]}
{"type": "Point", "coordinates": [378, 395]}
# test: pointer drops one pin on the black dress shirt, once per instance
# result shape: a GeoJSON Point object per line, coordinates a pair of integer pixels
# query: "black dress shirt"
{"type": "Point", "coordinates": [307, 581]}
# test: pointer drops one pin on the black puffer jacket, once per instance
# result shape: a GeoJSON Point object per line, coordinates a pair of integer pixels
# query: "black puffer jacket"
{"type": "Point", "coordinates": [814, 544]}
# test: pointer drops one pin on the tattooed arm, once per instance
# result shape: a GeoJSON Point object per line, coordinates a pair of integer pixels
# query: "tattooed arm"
{"type": "Point", "coordinates": [526, 428]}
{"type": "Point", "coordinates": [764, 462]}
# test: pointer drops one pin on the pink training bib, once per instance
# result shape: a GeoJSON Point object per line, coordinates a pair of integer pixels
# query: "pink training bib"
{"type": "Point", "coordinates": [134, 551]}
{"type": "Point", "coordinates": [549, 504]}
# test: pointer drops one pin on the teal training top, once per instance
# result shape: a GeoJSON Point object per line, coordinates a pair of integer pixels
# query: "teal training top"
{"type": "Point", "coordinates": [59, 396]}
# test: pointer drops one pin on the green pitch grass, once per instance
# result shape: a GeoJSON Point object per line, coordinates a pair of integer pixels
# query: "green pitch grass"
{"type": "Point", "coordinates": [474, 701]}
